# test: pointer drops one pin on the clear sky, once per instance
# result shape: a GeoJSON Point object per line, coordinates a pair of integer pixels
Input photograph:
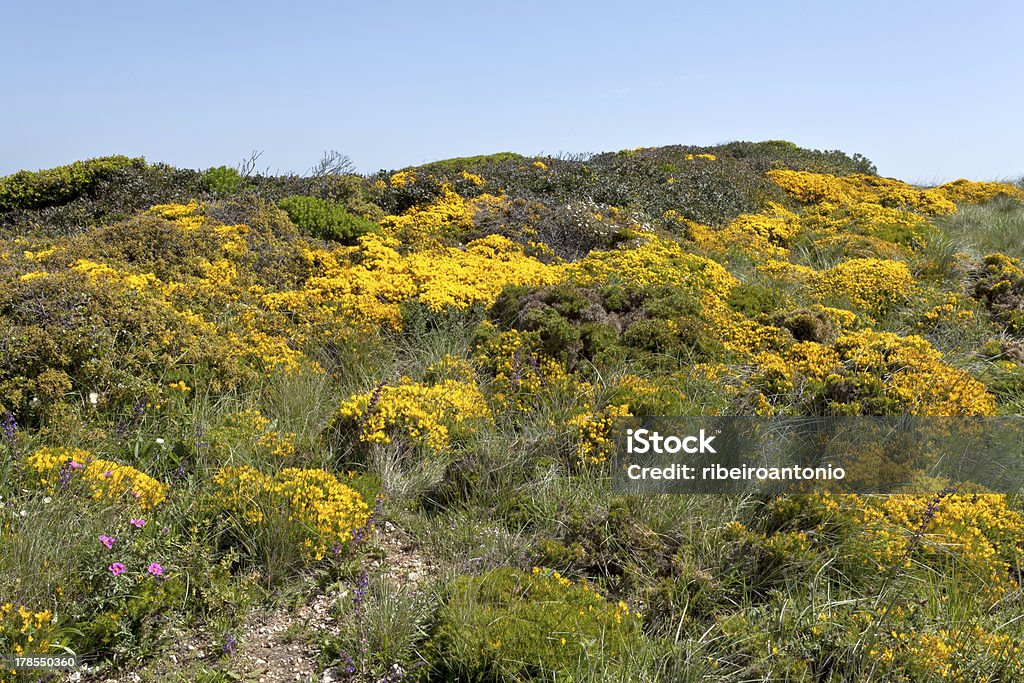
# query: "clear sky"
{"type": "Point", "coordinates": [927, 90]}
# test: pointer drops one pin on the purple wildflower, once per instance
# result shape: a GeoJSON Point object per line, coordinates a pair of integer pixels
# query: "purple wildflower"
{"type": "Point", "coordinates": [9, 426]}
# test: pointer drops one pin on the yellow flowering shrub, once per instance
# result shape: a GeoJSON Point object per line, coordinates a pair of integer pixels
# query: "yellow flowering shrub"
{"type": "Point", "coordinates": [592, 434]}
{"type": "Point", "coordinates": [656, 261]}
{"type": "Point", "coordinates": [979, 533]}
{"type": "Point", "coordinates": [914, 374]}
{"type": "Point", "coordinates": [325, 512]}
{"type": "Point", "coordinates": [25, 632]}
{"type": "Point", "coordinates": [447, 217]}
{"type": "Point", "coordinates": [519, 374]}
{"type": "Point", "coordinates": [430, 415]}
{"type": "Point", "coordinates": [105, 480]}
{"type": "Point", "coordinates": [760, 235]}
{"type": "Point", "coordinates": [964, 191]}
{"type": "Point", "coordinates": [823, 188]}
{"type": "Point", "coordinates": [871, 285]}
{"type": "Point", "coordinates": [364, 286]}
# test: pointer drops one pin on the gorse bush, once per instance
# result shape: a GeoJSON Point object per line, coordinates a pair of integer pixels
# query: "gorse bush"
{"type": "Point", "coordinates": [326, 220]}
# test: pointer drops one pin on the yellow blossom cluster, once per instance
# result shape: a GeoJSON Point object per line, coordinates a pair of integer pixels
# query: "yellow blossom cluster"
{"type": "Point", "coordinates": [915, 374]}
{"type": "Point", "coordinates": [981, 533]}
{"type": "Point", "coordinates": [472, 178]}
{"type": "Point", "coordinates": [325, 511]}
{"type": "Point", "coordinates": [189, 217]}
{"type": "Point", "coordinates": [425, 414]}
{"type": "Point", "coordinates": [447, 217]}
{"type": "Point", "coordinates": [656, 261]}
{"type": "Point", "coordinates": [823, 188]}
{"type": "Point", "coordinates": [104, 479]}
{"type": "Point", "coordinates": [759, 235]}
{"type": "Point", "coordinates": [908, 371]}
{"type": "Point", "coordinates": [24, 631]}
{"type": "Point", "coordinates": [948, 654]}
{"type": "Point", "coordinates": [867, 284]}
{"type": "Point", "coordinates": [973, 192]}
{"type": "Point", "coordinates": [271, 350]}
{"type": "Point", "coordinates": [549, 584]}
{"type": "Point", "coordinates": [364, 286]}
{"type": "Point", "coordinates": [592, 434]}
{"type": "Point", "coordinates": [953, 309]}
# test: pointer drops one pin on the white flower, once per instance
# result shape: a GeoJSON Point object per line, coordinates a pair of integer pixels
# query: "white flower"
{"type": "Point", "coordinates": [160, 441]}
{"type": "Point", "coordinates": [47, 500]}
{"type": "Point", "coordinates": [24, 513]}
{"type": "Point", "coordinates": [93, 397]}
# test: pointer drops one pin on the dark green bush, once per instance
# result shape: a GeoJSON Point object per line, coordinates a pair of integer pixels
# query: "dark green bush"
{"type": "Point", "coordinates": [54, 186]}
{"type": "Point", "coordinates": [659, 327]}
{"type": "Point", "coordinates": [999, 286]}
{"type": "Point", "coordinates": [753, 300]}
{"type": "Point", "coordinates": [326, 220]}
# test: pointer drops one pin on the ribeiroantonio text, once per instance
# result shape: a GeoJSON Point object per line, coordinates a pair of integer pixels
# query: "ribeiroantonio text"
{"type": "Point", "coordinates": [745, 473]}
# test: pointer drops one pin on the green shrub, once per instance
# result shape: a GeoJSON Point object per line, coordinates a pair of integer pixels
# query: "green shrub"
{"type": "Point", "coordinates": [326, 220]}
{"type": "Point", "coordinates": [513, 625]}
{"type": "Point", "coordinates": [54, 186]}
{"type": "Point", "coordinates": [222, 180]}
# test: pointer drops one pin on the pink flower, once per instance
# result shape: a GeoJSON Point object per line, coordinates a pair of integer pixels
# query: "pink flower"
{"type": "Point", "coordinates": [75, 465]}
{"type": "Point", "coordinates": [155, 569]}
{"type": "Point", "coordinates": [108, 474]}
{"type": "Point", "coordinates": [107, 541]}
{"type": "Point", "coordinates": [116, 568]}
{"type": "Point", "coordinates": [137, 523]}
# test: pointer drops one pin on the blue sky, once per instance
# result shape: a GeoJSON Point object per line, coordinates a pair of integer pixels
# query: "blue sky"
{"type": "Point", "coordinates": [928, 91]}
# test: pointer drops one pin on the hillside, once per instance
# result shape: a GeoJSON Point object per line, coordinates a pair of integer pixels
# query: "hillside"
{"type": "Point", "coordinates": [379, 409]}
